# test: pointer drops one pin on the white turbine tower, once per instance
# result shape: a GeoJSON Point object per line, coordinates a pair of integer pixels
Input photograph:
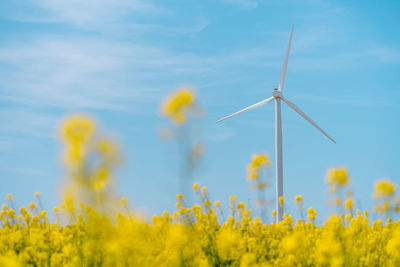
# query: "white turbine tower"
{"type": "Point", "coordinates": [277, 96]}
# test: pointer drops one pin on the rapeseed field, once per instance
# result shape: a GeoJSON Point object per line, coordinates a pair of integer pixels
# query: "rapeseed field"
{"type": "Point", "coordinates": [93, 227]}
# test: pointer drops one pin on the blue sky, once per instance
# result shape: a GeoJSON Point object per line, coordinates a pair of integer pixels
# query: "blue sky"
{"type": "Point", "coordinates": [118, 59]}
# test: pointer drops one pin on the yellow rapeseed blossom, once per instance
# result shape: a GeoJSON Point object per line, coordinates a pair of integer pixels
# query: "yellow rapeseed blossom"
{"type": "Point", "coordinates": [281, 201]}
{"type": "Point", "coordinates": [123, 201]}
{"type": "Point", "coordinates": [82, 233]}
{"type": "Point", "coordinates": [311, 214]}
{"type": "Point", "coordinates": [385, 199]}
{"type": "Point", "coordinates": [241, 205]}
{"type": "Point", "coordinates": [298, 199]}
{"type": "Point", "coordinates": [274, 213]}
{"type": "Point", "coordinates": [384, 188]}
{"type": "Point", "coordinates": [349, 205]}
{"type": "Point", "coordinates": [32, 206]}
{"type": "Point", "coordinates": [77, 129]}
{"type": "Point", "coordinates": [258, 161]}
{"type": "Point", "coordinates": [195, 187]}
{"type": "Point", "coordinates": [176, 106]}
{"type": "Point", "coordinates": [336, 178]}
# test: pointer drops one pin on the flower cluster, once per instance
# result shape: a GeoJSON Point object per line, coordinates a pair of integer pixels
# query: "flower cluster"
{"type": "Point", "coordinates": [385, 197]}
{"type": "Point", "coordinates": [191, 236]}
{"type": "Point", "coordinates": [338, 180]}
{"type": "Point", "coordinates": [181, 110]}
{"type": "Point", "coordinates": [258, 165]}
{"type": "Point", "coordinates": [93, 227]}
{"type": "Point", "coordinates": [176, 106]}
{"type": "Point", "coordinates": [89, 161]}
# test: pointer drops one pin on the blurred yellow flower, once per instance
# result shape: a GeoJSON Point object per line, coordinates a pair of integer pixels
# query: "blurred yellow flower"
{"type": "Point", "coordinates": [298, 199]}
{"type": "Point", "coordinates": [77, 129]}
{"type": "Point", "coordinates": [337, 177]}
{"type": "Point", "coordinates": [32, 206]}
{"type": "Point", "coordinates": [123, 201]}
{"type": "Point", "coordinates": [384, 187]}
{"type": "Point", "coordinates": [241, 205]}
{"type": "Point", "coordinates": [311, 214]}
{"type": "Point", "coordinates": [176, 105]}
{"type": "Point", "coordinates": [179, 197]}
{"type": "Point", "coordinates": [281, 201]}
{"type": "Point", "coordinates": [258, 161]}
{"type": "Point", "coordinates": [217, 203]}
{"type": "Point", "coordinates": [195, 186]}
{"type": "Point", "coordinates": [274, 213]}
{"type": "Point", "coordinates": [349, 204]}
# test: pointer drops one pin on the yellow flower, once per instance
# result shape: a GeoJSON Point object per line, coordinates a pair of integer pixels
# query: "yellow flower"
{"type": "Point", "coordinates": [258, 161]}
{"type": "Point", "coordinates": [337, 177]}
{"type": "Point", "coordinates": [176, 106]}
{"type": "Point", "coordinates": [107, 149]}
{"type": "Point", "coordinates": [42, 214]}
{"type": "Point", "coordinates": [274, 213]}
{"type": "Point", "coordinates": [123, 201]}
{"type": "Point", "coordinates": [384, 188]}
{"type": "Point", "coordinates": [77, 129]}
{"type": "Point", "coordinates": [32, 206]}
{"type": "Point", "coordinates": [298, 199]}
{"type": "Point", "coordinates": [217, 203]}
{"type": "Point", "coordinates": [253, 175]}
{"type": "Point", "coordinates": [9, 197]}
{"type": "Point", "coordinates": [241, 205]}
{"type": "Point", "coordinates": [195, 187]}
{"type": "Point", "coordinates": [37, 194]}
{"type": "Point", "coordinates": [10, 212]}
{"type": "Point", "coordinates": [23, 211]}
{"type": "Point", "coordinates": [179, 197]}
{"type": "Point", "coordinates": [232, 198]}
{"type": "Point", "coordinates": [349, 204]}
{"type": "Point", "coordinates": [102, 178]}
{"type": "Point", "coordinates": [311, 214]}
{"type": "Point", "coordinates": [281, 200]}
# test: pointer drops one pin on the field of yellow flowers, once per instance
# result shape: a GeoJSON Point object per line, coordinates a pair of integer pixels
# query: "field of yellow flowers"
{"type": "Point", "coordinates": [93, 227]}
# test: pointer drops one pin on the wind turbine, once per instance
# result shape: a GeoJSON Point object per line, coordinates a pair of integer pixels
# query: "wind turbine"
{"type": "Point", "coordinates": [277, 96]}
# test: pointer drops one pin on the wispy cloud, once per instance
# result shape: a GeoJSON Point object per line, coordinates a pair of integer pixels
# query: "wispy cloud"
{"type": "Point", "coordinates": [384, 54]}
{"type": "Point", "coordinates": [28, 122]}
{"type": "Point", "coordinates": [88, 14]}
{"type": "Point", "coordinates": [243, 3]}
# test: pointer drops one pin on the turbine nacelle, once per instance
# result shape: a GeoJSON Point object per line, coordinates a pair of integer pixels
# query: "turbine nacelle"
{"type": "Point", "coordinates": [276, 92]}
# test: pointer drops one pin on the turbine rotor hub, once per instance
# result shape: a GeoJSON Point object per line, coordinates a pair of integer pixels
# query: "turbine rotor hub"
{"type": "Point", "coordinates": [277, 93]}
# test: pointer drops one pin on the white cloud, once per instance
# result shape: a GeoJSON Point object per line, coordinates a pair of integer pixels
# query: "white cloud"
{"type": "Point", "coordinates": [87, 14]}
{"type": "Point", "coordinates": [243, 3]}
{"type": "Point", "coordinates": [384, 54]}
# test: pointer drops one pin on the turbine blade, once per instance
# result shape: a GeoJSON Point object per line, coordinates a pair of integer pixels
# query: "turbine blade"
{"type": "Point", "coordinates": [298, 110]}
{"type": "Point", "coordinates": [285, 62]}
{"type": "Point", "coordinates": [248, 108]}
